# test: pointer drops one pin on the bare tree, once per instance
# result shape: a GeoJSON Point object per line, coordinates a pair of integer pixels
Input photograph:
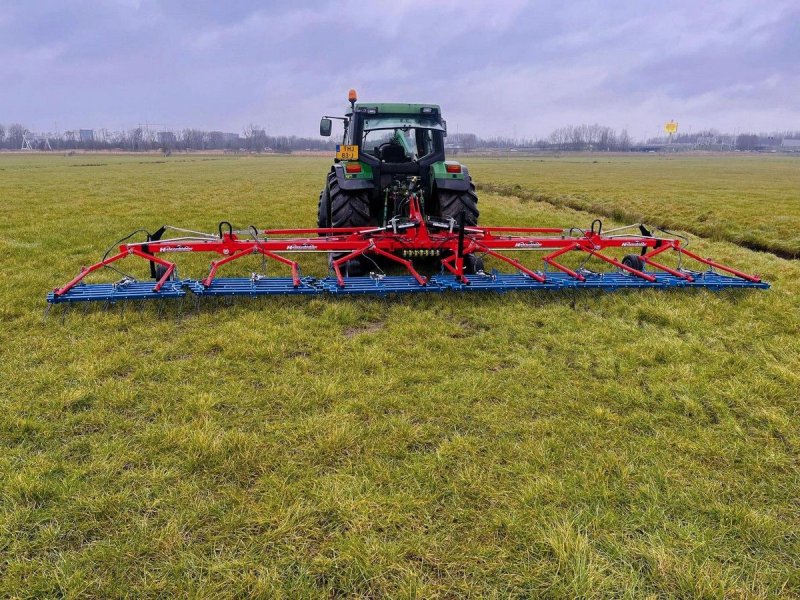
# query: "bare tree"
{"type": "Point", "coordinates": [255, 138]}
{"type": "Point", "coordinates": [559, 138]}
{"type": "Point", "coordinates": [119, 139]}
{"type": "Point", "coordinates": [248, 133]}
{"type": "Point", "coordinates": [608, 139]}
{"type": "Point", "coordinates": [136, 138]}
{"type": "Point", "coordinates": [194, 139]}
{"type": "Point", "coordinates": [15, 134]}
{"type": "Point", "coordinates": [2, 135]}
{"type": "Point", "coordinates": [282, 145]}
{"type": "Point", "coordinates": [467, 141]}
{"type": "Point", "coordinates": [624, 142]}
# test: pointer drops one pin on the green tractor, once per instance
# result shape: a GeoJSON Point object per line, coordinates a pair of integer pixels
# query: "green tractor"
{"type": "Point", "coordinates": [387, 151]}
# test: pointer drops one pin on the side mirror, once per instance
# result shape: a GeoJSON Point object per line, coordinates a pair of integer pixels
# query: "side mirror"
{"type": "Point", "coordinates": [325, 126]}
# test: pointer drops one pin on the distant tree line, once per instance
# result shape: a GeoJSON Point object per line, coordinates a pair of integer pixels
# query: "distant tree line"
{"type": "Point", "coordinates": [601, 138]}
{"type": "Point", "coordinates": [715, 140]}
{"type": "Point", "coordinates": [587, 137]}
{"type": "Point", "coordinates": [253, 138]}
{"type": "Point", "coordinates": [571, 137]}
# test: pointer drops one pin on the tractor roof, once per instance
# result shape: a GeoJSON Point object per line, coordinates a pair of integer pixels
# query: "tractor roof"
{"type": "Point", "coordinates": [397, 107]}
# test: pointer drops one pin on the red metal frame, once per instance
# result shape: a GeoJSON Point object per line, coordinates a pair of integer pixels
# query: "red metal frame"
{"type": "Point", "coordinates": [414, 234]}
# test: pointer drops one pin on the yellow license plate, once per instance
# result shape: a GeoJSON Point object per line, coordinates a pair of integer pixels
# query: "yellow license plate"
{"type": "Point", "coordinates": [346, 152]}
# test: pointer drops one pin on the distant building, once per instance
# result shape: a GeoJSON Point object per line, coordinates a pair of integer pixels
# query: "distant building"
{"type": "Point", "coordinates": [790, 145]}
{"type": "Point", "coordinates": [86, 135]}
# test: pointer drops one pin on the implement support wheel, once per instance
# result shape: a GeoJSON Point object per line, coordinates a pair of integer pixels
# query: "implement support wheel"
{"type": "Point", "coordinates": [633, 261]}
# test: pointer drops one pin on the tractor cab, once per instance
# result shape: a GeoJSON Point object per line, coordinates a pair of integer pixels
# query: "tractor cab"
{"type": "Point", "coordinates": [396, 138]}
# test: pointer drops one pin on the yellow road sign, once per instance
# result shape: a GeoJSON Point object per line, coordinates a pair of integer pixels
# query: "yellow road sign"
{"type": "Point", "coordinates": [671, 127]}
{"type": "Point", "coordinates": [346, 152]}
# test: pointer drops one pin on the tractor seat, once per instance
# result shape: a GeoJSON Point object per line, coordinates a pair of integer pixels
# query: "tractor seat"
{"type": "Point", "coordinates": [393, 153]}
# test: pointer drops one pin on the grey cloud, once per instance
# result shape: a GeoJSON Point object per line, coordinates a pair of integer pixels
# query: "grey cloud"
{"type": "Point", "coordinates": [500, 67]}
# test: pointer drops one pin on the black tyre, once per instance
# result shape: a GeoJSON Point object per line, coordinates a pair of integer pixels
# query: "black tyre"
{"type": "Point", "coordinates": [633, 261]}
{"type": "Point", "coordinates": [349, 208]}
{"type": "Point", "coordinates": [161, 270]}
{"type": "Point", "coordinates": [473, 264]}
{"type": "Point", "coordinates": [351, 268]}
{"type": "Point", "coordinates": [324, 209]}
{"type": "Point", "coordinates": [453, 203]}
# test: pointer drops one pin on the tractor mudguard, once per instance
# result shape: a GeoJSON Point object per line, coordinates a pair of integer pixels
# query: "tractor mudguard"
{"type": "Point", "coordinates": [460, 184]}
{"type": "Point", "coordinates": [348, 183]}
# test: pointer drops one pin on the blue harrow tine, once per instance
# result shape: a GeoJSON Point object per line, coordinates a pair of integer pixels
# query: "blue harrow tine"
{"type": "Point", "coordinates": [604, 281]}
{"type": "Point", "coordinates": [246, 286]}
{"type": "Point", "coordinates": [110, 292]}
{"type": "Point", "coordinates": [495, 282]}
{"type": "Point", "coordinates": [390, 284]}
{"type": "Point", "coordinates": [227, 289]}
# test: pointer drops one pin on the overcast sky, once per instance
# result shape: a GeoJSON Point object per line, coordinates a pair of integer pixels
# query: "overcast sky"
{"type": "Point", "coordinates": [501, 67]}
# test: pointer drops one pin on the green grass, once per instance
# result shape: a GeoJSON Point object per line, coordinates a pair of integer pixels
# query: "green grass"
{"type": "Point", "coordinates": [751, 200]}
{"type": "Point", "coordinates": [558, 445]}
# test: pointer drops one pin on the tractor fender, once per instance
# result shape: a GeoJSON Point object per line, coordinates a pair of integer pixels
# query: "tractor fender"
{"type": "Point", "coordinates": [351, 184]}
{"type": "Point", "coordinates": [455, 185]}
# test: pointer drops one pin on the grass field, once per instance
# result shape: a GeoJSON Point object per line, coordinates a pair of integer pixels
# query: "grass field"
{"type": "Point", "coordinates": [577, 445]}
{"type": "Point", "coordinates": [751, 200]}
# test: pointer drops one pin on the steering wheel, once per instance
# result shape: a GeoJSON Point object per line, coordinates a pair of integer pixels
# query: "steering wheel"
{"type": "Point", "coordinates": [384, 144]}
{"type": "Point", "coordinates": [390, 143]}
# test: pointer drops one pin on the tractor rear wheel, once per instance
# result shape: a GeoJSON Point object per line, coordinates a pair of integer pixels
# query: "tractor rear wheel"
{"type": "Point", "coordinates": [453, 203]}
{"type": "Point", "coordinates": [349, 208]}
{"type": "Point", "coordinates": [324, 210]}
